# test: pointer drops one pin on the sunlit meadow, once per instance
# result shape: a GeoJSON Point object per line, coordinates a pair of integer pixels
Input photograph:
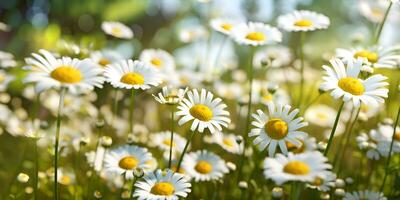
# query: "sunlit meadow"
{"type": "Point", "coordinates": [200, 99]}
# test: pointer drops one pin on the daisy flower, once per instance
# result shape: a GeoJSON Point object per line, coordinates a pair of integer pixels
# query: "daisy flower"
{"type": "Point", "coordinates": [158, 59]}
{"type": "Point", "coordinates": [369, 145]}
{"type": "Point", "coordinates": [343, 81]}
{"type": "Point", "coordinates": [105, 57]}
{"type": "Point", "coordinates": [377, 56]}
{"type": "Point", "coordinates": [273, 56]}
{"type": "Point", "coordinates": [7, 60]}
{"type": "Point", "coordinates": [255, 34]}
{"type": "Point", "coordinates": [223, 26]}
{"type": "Point", "coordinates": [323, 183]}
{"type": "Point", "coordinates": [307, 144]}
{"type": "Point", "coordinates": [303, 20]}
{"type": "Point", "coordinates": [130, 74]}
{"type": "Point", "coordinates": [303, 167]}
{"type": "Point", "coordinates": [162, 140]}
{"type": "Point", "coordinates": [384, 137]}
{"type": "Point", "coordinates": [204, 166]}
{"type": "Point", "coordinates": [117, 29]}
{"type": "Point", "coordinates": [229, 142]}
{"type": "Point", "coordinates": [162, 185]}
{"type": "Point", "coordinates": [320, 115]}
{"type": "Point", "coordinates": [170, 95]}
{"type": "Point", "coordinates": [364, 195]}
{"type": "Point", "coordinates": [373, 10]}
{"type": "Point", "coordinates": [74, 74]}
{"type": "Point", "coordinates": [123, 160]}
{"type": "Point", "coordinates": [205, 111]}
{"type": "Point", "coordinates": [279, 126]}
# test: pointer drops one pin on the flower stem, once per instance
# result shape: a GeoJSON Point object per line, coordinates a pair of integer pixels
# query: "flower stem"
{"type": "Point", "coordinates": [343, 149]}
{"type": "Point", "coordinates": [178, 167]}
{"type": "Point", "coordinates": [59, 113]}
{"type": "Point", "coordinates": [115, 106]}
{"type": "Point", "coordinates": [246, 133]}
{"type": "Point", "coordinates": [172, 137]}
{"type": "Point", "coordinates": [301, 54]}
{"type": "Point", "coordinates": [334, 129]}
{"type": "Point", "coordinates": [133, 186]}
{"type": "Point", "coordinates": [382, 24]}
{"type": "Point", "coordinates": [131, 110]}
{"type": "Point", "coordinates": [390, 151]}
{"type": "Point", "coordinates": [36, 172]}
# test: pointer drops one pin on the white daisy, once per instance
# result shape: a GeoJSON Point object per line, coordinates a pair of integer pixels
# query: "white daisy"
{"type": "Point", "coordinates": [303, 20]}
{"type": "Point", "coordinates": [5, 79]}
{"type": "Point", "coordinates": [377, 56]}
{"type": "Point", "coordinates": [7, 60]}
{"type": "Point", "coordinates": [224, 26]}
{"type": "Point", "coordinates": [273, 56]}
{"type": "Point", "coordinates": [384, 136]}
{"type": "Point", "coordinates": [204, 166]}
{"type": "Point", "coordinates": [74, 74]}
{"type": "Point", "coordinates": [255, 34]}
{"type": "Point", "coordinates": [373, 10]}
{"type": "Point", "coordinates": [162, 140]}
{"type": "Point", "coordinates": [364, 195]}
{"type": "Point", "coordinates": [320, 115]}
{"type": "Point", "coordinates": [307, 144]}
{"type": "Point", "coordinates": [105, 57]}
{"type": "Point", "coordinates": [229, 142]}
{"type": "Point", "coordinates": [162, 185]}
{"type": "Point", "coordinates": [170, 95]}
{"type": "Point", "coordinates": [159, 59]}
{"type": "Point", "coordinates": [303, 167]}
{"type": "Point", "coordinates": [324, 182]}
{"type": "Point", "coordinates": [369, 145]}
{"type": "Point", "coordinates": [279, 126]}
{"type": "Point", "coordinates": [205, 111]}
{"type": "Point", "coordinates": [130, 74]}
{"type": "Point", "coordinates": [117, 29]}
{"type": "Point", "coordinates": [344, 82]}
{"type": "Point", "coordinates": [123, 160]}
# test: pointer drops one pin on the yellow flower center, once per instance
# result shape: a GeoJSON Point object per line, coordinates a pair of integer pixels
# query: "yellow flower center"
{"type": "Point", "coordinates": [226, 26]}
{"type": "Point", "coordinates": [201, 112]}
{"type": "Point", "coordinates": [203, 167]}
{"type": "Point", "coordinates": [156, 62]}
{"type": "Point", "coordinates": [168, 142]}
{"type": "Point", "coordinates": [322, 116]}
{"type": "Point", "coordinates": [116, 31]}
{"type": "Point", "coordinates": [370, 56]}
{"type": "Point", "coordinates": [352, 86]}
{"type": "Point", "coordinates": [104, 62]}
{"type": "Point", "coordinates": [65, 180]}
{"type": "Point", "coordinates": [292, 148]}
{"type": "Point", "coordinates": [163, 188]}
{"type": "Point", "coordinates": [228, 142]}
{"type": "Point", "coordinates": [66, 74]}
{"type": "Point", "coordinates": [318, 181]}
{"type": "Point", "coordinates": [256, 36]}
{"type": "Point", "coordinates": [303, 23]}
{"type": "Point", "coordinates": [276, 128]}
{"type": "Point", "coordinates": [397, 136]}
{"type": "Point", "coordinates": [267, 97]}
{"type": "Point", "coordinates": [2, 78]}
{"type": "Point", "coordinates": [181, 170]}
{"type": "Point", "coordinates": [128, 162]}
{"type": "Point", "coordinates": [132, 78]}
{"type": "Point", "coordinates": [296, 168]}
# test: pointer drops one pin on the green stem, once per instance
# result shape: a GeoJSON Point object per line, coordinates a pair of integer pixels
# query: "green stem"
{"type": "Point", "coordinates": [131, 110]}
{"type": "Point", "coordinates": [301, 51]}
{"type": "Point", "coordinates": [221, 47]}
{"type": "Point", "coordinates": [312, 102]}
{"type": "Point", "coordinates": [343, 149]}
{"type": "Point", "coordinates": [390, 151]}
{"type": "Point", "coordinates": [334, 129]}
{"type": "Point", "coordinates": [184, 151]}
{"type": "Point", "coordinates": [133, 187]}
{"type": "Point", "coordinates": [172, 137]}
{"type": "Point", "coordinates": [295, 191]}
{"type": "Point", "coordinates": [59, 113]}
{"type": "Point", "coordinates": [342, 138]}
{"type": "Point", "coordinates": [380, 28]}
{"type": "Point", "coordinates": [246, 133]}
{"type": "Point", "coordinates": [115, 106]}
{"type": "Point", "coordinates": [36, 172]}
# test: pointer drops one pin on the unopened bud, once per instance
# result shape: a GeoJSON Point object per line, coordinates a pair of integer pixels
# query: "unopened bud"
{"type": "Point", "coordinates": [243, 185]}
{"type": "Point", "coordinates": [106, 141]}
{"type": "Point", "coordinates": [277, 192]}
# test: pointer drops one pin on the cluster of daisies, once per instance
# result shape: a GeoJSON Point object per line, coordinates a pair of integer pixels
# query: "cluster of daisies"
{"type": "Point", "coordinates": [171, 159]}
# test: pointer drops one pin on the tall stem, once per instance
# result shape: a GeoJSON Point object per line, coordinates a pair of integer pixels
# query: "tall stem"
{"type": "Point", "coordinates": [133, 187]}
{"type": "Point", "coordinates": [172, 137]}
{"type": "Point", "coordinates": [132, 104]}
{"type": "Point", "coordinates": [382, 24]}
{"type": "Point", "coordinates": [184, 151]}
{"type": "Point", "coordinates": [59, 113]}
{"type": "Point", "coordinates": [115, 105]}
{"type": "Point", "coordinates": [246, 133]}
{"type": "Point", "coordinates": [334, 129]}
{"type": "Point", "coordinates": [301, 52]}
{"type": "Point", "coordinates": [36, 172]}
{"type": "Point", "coordinates": [347, 141]}
{"type": "Point", "coordinates": [390, 151]}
